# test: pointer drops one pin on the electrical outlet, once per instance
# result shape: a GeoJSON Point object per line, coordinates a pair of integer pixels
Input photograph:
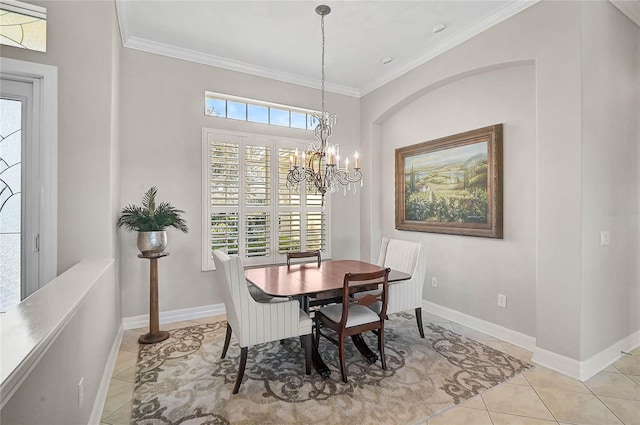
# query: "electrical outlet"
{"type": "Point", "coordinates": [502, 301]}
{"type": "Point", "coordinates": [604, 237]}
{"type": "Point", "coordinates": [81, 392]}
{"type": "Point", "coordinates": [434, 282]}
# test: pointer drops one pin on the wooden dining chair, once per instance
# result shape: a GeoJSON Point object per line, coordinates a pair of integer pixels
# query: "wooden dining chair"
{"type": "Point", "coordinates": [303, 254]}
{"type": "Point", "coordinates": [353, 316]}
{"type": "Point", "coordinates": [255, 322]}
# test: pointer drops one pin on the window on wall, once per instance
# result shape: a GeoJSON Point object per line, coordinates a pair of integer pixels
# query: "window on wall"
{"type": "Point", "coordinates": [248, 208]}
{"type": "Point", "coordinates": [244, 109]}
{"type": "Point", "coordinates": [23, 25]}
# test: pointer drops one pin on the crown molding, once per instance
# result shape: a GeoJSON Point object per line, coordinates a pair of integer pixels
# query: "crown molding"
{"type": "Point", "coordinates": [149, 46]}
{"type": "Point", "coordinates": [459, 38]}
{"type": "Point", "coordinates": [163, 49]}
{"type": "Point", "coordinates": [631, 8]}
{"type": "Point", "coordinates": [212, 60]}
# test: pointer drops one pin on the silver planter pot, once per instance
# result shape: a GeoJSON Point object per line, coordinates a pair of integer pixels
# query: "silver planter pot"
{"type": "Point", "coordinates": [152, 242]}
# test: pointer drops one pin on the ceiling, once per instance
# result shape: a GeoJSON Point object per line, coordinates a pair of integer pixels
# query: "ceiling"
{"type": "Point", "coordinates": [282, 39]}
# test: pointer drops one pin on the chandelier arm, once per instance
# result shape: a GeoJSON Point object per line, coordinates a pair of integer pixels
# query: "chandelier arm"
{"type": "Point", "coordinates": [345, 178]}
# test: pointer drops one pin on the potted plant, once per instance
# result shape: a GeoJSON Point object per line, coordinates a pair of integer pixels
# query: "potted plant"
{"type": "Point", "coordinates": [150, 221]}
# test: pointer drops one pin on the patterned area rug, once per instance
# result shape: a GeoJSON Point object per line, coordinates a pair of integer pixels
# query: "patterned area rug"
{"type": "Point", "coordinates": [183, 380]}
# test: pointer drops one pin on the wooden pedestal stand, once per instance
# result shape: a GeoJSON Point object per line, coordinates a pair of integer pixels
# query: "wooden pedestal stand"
{"type": "Point", "coordinates": [155, 334]}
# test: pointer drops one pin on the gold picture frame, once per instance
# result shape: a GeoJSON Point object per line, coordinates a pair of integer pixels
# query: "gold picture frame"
{"type": "Point", "coordinates": [452, 185]}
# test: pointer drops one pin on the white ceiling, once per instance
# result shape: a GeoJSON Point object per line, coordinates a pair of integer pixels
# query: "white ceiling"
{"type": "Point", "coordinates": [282, 39]}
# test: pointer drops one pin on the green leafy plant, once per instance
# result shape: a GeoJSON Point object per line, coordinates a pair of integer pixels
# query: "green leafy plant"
{"type": "Point", "coordinates": [151, 217]}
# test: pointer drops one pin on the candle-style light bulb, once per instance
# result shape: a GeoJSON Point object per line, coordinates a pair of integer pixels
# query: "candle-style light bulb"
{"type": "Point", "coordinates": [346, 164]}
{"type": "Point", "coordinates": [356, 161]}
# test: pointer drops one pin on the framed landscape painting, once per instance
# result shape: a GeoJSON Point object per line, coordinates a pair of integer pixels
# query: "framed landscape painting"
{"type": "Point", "coordinates": [452, 185]}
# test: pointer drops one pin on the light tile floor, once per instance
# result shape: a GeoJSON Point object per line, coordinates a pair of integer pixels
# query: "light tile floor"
{"type": "Point", "coordinates": [537, 397]}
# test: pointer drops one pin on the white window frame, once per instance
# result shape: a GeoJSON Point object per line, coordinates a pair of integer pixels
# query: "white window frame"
{"type": "Point", "coordinates": [274, 208]}
{"type": "Point", "coordinates": [45, 83]}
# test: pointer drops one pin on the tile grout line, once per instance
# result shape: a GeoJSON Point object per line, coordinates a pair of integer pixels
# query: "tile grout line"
{"type": "Point", "coordinates": [541, 399]}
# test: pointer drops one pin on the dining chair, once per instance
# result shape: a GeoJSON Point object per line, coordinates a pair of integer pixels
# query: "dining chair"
{"type": "Point", "coordinates": [254, 322]}
{"type": "Point", "coordinates": [257, 294]}
{"type": "Point", "coordinates": [303, 254]}
{"type": "Point", "coordinates": [353, 316]}
{"type": "Point", "coordinates": [404, 295]}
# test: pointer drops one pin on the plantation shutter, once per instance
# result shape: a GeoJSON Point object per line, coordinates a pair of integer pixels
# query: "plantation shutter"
{"type": "Point", "coordinates": [315, 238]}
{"type": "Point", "coordinates": [225, 193]}
{"type": "Point", "coordinates": [257, 199]}
{"type": "Point", "coordinates": [249, 210]}
{"type": "Point", "coordinates": [289, 232]}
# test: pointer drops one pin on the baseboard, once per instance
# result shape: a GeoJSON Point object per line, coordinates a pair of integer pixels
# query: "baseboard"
{"type": "Point", "coordinates": [103, 389]}
{"type": "Point", "coordinates": [558, 362]}
{"type": "Point", "coordinates": [586, 369]}
{"type": "Point", "coordinates": [512, 337]}
{"type": "Point", "coordinates": [565, 365]}
{"type": "Point", "coordinates": [174, 316]}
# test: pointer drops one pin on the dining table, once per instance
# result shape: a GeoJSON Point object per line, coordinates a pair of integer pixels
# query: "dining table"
{"type": "Point", "coordinates": [318, 285]}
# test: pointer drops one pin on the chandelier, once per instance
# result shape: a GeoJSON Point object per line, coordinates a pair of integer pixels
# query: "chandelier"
{"type": "Point", "coordinates": [319, 167]}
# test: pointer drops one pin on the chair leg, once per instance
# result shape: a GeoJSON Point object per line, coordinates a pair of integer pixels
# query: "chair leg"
{"type": "Point", "coordinates": [383, 358]}
{"type": "Point", "coordinates": [307, 353]}
{"type": "Point", "coordinates": [419, 320]}
{"type": "Point", "coordinates": [227, 339]}
{"type": "Point", "coordinates": [316, 342]}
{"type": "Point", "coordinates": [241, 366]}
{"type": "Point", "coordinates": [341, 354]}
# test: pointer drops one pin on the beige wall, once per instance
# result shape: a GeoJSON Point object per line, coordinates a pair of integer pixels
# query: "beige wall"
{"type": "Point", "coordinates": [162, 116]}
{"type": "Point", "coordinates": [549, 35]}
{"type": "Point", "coordinates": [49, 394]}
{"type": "Point", "coordinates": [83, 43]}
{"type": "Point", "coordinates": [467, 265]}
{"type": "Point", "coordinates": [611, 177]}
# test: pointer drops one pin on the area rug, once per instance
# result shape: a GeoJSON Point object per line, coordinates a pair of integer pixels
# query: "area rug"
{"type": "Point", "coordinates": [183, 380]}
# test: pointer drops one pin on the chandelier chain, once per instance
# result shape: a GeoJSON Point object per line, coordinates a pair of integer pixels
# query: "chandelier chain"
{"type": "Point", "coordinates": [319, 166]}
{"type": "Point", "coordinates": [323, 78]}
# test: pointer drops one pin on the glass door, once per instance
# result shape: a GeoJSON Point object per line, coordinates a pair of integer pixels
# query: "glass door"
{"type": "Point", "coordinates": [18, 207]}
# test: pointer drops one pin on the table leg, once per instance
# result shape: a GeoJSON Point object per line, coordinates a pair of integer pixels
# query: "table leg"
{"type": "Point", "coordinates": [358, 341]}
{"type": "Point", "coordinates": [318, 364]}
{"type": "Point", "coordinates": [155, 334]}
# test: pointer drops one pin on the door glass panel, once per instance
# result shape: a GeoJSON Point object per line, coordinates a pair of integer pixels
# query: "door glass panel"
{"type": "Point", "coordinates": [10, 201]}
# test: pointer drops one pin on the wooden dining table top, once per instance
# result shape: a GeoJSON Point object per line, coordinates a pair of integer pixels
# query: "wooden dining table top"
{"type": "Point", "coordinates": [309, 279]}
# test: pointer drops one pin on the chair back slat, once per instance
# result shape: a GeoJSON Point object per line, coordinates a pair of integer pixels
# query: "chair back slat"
{"type": "Point", "coordinates": [369, 299]}
{"type": "Point", "coordinates": [381, 276]}
{"type": "Point", "coordinates": [303, 254]}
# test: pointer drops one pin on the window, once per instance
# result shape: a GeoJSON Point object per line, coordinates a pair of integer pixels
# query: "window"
{"type": "Point", "coordinates": [23, 25]}
{"type": "Point", "coordinates": [240, 108]}
{"type": "Point", "coordinates": [248, 208]}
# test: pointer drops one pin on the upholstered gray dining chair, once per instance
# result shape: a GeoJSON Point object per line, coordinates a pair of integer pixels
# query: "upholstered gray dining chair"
{"type": "Point", "coordinates": [404, 295]}
{"type": "Point", "coordinates": [257, 322]}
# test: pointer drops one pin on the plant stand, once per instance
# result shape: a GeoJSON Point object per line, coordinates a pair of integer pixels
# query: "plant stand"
{"type": "Point", "coordinates": [155, 334]}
